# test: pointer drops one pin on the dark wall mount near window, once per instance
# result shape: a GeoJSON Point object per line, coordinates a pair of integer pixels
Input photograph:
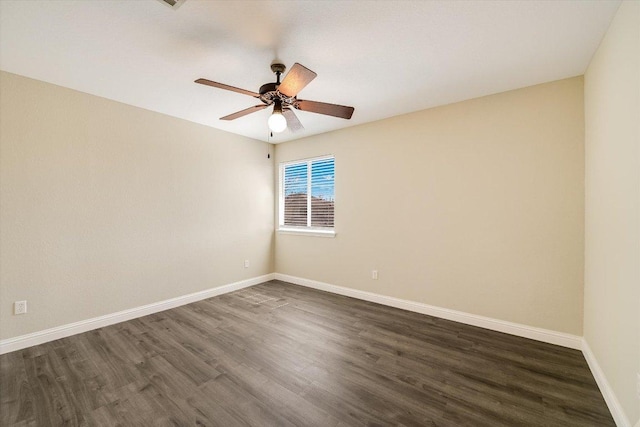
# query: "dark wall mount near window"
{"type": "Point", "coordinates": [307, 195]}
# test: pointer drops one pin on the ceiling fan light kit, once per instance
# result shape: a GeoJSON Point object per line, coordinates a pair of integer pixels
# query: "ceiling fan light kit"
{"type": "Point", "coordinates": [284, 98]}
{"type": "Point", "coordinates": [277, 122]}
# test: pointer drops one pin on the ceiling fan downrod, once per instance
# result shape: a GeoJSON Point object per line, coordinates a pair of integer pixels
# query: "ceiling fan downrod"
{"type": "Point", "coordinates": [278, 69]}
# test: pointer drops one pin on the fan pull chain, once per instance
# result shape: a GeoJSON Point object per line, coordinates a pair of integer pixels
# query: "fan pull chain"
{"type": "Point", "coordinates": [269, 136]}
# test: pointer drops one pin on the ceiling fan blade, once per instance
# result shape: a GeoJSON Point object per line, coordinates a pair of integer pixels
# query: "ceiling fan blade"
{"type": "Point", "coordinates": [334, 110]}
{"type": "Point", "coordinates": [244, 112]}
{"type": "Point", "coordinates": [296, 79]}
{"type": "Point", "coordinates": [293, 123]}
{"type": "Point", "coordinates": [227, 87]}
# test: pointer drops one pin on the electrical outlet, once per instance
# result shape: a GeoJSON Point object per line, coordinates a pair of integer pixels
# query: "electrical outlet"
{"type": "Point", "coordinates": [19, 307]}
{"type": "Point", "coordinates": [374, 274]}
{"type": "Point", "coordinates": [246, 263]}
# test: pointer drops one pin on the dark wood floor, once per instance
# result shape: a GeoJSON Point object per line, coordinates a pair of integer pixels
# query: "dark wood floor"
{"type": "Point", "coordinates": [282, 355]}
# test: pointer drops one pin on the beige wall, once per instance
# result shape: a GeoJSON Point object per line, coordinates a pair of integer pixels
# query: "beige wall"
{"type": "Point", "coordinates": [476, 206]}
{"type": "Point", "coordinates": [106, 207]}
{"type": "Point", "coordinates": [612, 220]}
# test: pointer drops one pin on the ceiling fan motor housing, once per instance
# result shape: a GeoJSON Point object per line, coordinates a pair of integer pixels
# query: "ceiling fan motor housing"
{"type": "Point", "coordinates": [269, 94]}
{"type": "Point", "coordinates": [269, 91]}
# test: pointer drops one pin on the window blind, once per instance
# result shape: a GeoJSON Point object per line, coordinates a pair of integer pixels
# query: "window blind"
{"type": "Point", "coordinates": [308, 189]}
{"type": "Point", "coordinates": [322, 191]}
{"type": "Point", "coordinates": [295, 194]}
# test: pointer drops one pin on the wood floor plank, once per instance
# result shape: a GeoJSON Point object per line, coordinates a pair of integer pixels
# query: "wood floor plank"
{"type": "Point", "coordinates": [277, 354]}
{"type": "Point", "coordinates": [51, 397]}
{"type": "Point", "coordinates": [16, 396]}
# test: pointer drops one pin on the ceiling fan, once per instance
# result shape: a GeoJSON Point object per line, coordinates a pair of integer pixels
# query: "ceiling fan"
{"type": "Point", "coordinates": [283, 97]}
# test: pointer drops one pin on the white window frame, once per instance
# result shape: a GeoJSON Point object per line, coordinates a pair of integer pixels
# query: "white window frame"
{"type": "Point", "coordinates": [307, 230]}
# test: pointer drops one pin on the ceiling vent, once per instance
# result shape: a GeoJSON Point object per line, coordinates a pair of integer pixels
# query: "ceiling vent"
{"type": "Point", "coordinates": [173, 4]}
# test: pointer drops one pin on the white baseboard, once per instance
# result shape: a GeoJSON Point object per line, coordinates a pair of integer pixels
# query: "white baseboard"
{"type": "Point", "coordinates": [40, 337]}
{"type": "Point", "coordinates": [605, 388]}
{"type": "Point", "coordinates": [538, 334]}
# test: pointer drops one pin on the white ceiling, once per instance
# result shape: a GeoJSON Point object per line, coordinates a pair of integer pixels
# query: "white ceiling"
{"type": "Point", "coordinates": [382, 57]}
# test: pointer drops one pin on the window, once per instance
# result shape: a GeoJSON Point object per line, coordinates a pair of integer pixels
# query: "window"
{"type": "Point", "coordinates": [307, 195]}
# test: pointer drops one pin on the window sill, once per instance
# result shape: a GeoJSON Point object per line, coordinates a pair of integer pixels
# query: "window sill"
{"type": "Point", "coordinates": [307, 232]}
